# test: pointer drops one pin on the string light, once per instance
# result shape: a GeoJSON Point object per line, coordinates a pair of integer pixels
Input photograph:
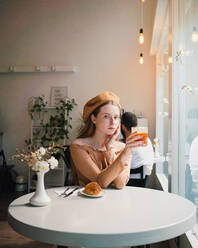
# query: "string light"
{"type": "Point", "coordinates": [141, 59]}
{"type": "Point", "coordinates": [194, 35]}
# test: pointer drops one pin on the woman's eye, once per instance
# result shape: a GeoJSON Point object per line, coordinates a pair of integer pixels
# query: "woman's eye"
{"type": "Point", "coordinates": [107, 117]}
{"type": "Point", "coordinates": [116, 118]}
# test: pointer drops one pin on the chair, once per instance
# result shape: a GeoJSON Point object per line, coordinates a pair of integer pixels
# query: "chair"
{"type": "Point", "coordinates": [2, 156]}
{"type": "Point", "coordinates": [66, 158]}
{"type": "Point", "coordinates": [6, 182]}
{"type": "Point", "coordinates": [141, 181]}
{"type": "Point", "coordinates": [139, 171]}
{"type": "Point", "coordinates": [70, 176]}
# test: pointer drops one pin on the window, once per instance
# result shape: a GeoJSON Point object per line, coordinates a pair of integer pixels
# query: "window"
{"type": "Point", "coordinates": [162, 90]}
{"type": "Point", "coordinates": [187, 82]}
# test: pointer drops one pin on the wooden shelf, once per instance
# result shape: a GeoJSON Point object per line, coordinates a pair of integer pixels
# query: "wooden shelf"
{"type": "Point", "coordinates": [37, 68]}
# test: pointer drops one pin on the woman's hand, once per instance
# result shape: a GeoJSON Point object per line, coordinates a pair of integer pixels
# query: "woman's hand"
{"type": "Point", "coordinates": [111, 138]}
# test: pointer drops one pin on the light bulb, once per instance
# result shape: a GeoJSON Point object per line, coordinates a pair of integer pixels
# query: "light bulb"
{"type": "Point", "coordinates": [194, 35]}
{"type": "Point", "coordinates": [142, 1]}
{"type": "Point", "coordinates": [170, 60]}
{"type": "Point", "coordinates": [141, 59]}
{"type": "Point", "coordinates": [141, 36]}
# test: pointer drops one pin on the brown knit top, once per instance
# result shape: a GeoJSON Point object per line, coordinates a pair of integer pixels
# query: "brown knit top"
{"type": "Point", "coordinates": [89, 162]}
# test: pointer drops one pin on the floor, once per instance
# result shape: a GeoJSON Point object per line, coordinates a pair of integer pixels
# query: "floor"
{"type": "Point", "coordinates": [10, 239]}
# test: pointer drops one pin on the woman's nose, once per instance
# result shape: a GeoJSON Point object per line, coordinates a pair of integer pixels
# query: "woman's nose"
{"type": "Point", "coordinates": [112, 119]}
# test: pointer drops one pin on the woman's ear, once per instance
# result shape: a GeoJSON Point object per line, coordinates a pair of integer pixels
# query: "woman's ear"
{"type": "Point", "coordinates": [93, 119]}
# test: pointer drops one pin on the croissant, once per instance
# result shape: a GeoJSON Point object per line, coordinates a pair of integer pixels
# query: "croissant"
{"type": "Point", "coordinates": [92, 188]}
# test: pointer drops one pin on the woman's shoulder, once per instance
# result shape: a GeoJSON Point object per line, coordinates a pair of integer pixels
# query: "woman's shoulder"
{"type": "Point", "coordinates": [80, 141]}
{"type": "Point", "coordinates": [77, 141]}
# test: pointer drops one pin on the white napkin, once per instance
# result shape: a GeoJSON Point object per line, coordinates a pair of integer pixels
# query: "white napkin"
{"type": "Point", "coordinates": [61, 191]}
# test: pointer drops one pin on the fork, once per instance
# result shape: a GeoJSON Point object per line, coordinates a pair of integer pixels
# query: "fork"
{"type": "Point", "coordinates": [70, 193]}
{"type": "Point", "coordinates": [63, 194]}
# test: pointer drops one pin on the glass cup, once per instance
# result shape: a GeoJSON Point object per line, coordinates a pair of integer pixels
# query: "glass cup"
{"type": "Point", "coordinates": [141, 131]}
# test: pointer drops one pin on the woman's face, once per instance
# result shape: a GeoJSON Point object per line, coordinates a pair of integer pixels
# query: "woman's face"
{"type": "Point", "coordinates": [108, 119]}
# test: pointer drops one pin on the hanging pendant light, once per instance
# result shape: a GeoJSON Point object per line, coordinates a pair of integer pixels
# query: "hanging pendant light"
{"type": "Point", "coordinates": [141, 35]}
{"type": "Point", "coordinates": [141, 59]}
{"type": "Point", "coordinates": [194, 35]}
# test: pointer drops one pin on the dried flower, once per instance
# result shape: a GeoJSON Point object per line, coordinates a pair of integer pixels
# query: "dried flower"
{"type": "Point", "coordinates": [39, 159]}
{"type": "Point", "coordinates": [156, 142]}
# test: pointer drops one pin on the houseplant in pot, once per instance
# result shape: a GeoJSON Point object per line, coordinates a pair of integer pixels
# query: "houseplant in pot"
{"type": "Point", "coordinates": [57, 125]}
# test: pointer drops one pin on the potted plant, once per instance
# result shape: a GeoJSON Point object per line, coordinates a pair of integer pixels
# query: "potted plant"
{"type": "Point", "coordinates": [58, 124]}
{"type": "Point", "coordinates": [36, 107]}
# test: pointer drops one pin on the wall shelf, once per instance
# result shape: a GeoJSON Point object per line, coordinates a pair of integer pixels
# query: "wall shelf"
{"type": "Point", "coordinates": [37, 68]}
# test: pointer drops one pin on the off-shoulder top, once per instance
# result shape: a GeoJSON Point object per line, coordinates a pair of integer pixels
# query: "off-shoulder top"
{"type": "Point", "coordinates": [88, 162]}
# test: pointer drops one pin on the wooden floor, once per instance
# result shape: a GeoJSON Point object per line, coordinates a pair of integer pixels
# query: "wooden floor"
{"type": "Point", "coordinates": [10, 239]}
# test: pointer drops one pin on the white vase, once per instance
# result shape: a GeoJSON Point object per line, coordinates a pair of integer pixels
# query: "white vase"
{"type": "Point", "coordinates": [40, 197]}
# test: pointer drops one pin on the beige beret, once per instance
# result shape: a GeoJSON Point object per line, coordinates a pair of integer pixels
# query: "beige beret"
{"type": "Point", "coordinates": [98, 100]}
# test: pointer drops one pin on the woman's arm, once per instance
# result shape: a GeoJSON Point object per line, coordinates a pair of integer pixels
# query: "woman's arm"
{"type": "Point", "coordinates": [89, 169]}
{"type": "Point", "coordinates": [118, 170]}
{"type": "Point", "coordinates": [121, 163]}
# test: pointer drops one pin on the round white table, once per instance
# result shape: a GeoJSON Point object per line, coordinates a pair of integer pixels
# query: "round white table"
{"type": "Point", "coordinates": [127, 217]}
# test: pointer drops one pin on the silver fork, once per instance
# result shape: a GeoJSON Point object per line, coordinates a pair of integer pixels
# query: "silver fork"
{"type": "Point", "coordinates": [63, 194]}
{"type": "Point", "coordinates": [70, 193]}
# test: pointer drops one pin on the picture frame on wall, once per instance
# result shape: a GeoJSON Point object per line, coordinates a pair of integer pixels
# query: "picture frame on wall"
{"type": "Point", "coordinates": [57, 94]}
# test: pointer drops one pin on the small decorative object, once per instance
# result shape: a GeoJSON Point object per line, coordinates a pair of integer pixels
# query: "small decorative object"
{"type": "Point", "coordinates": [58, 94]}
{"type": "Point", "coordinates": [156, 144]}
{"type": "Point", "coordinates": [41, 161]}
{"type": "Point", "coordinates": [187, 88]}
{"type": "Point", "coordinates": [178, 56]}
{"type": "Point", "coordinates": [165, 100]}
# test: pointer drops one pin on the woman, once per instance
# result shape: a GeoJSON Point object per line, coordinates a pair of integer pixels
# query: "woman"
{"type": "Point", "coordinates": [96, 154]}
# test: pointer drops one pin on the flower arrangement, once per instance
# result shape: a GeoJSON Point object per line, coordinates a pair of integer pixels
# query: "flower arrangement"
{"type": "Point", "coordinates": [39, 159]}
{"type": "Point", "coordinates": [156, 142]}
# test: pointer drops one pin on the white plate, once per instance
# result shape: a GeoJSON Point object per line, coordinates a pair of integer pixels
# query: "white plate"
{"type": "Point", "coordinates": [92, 196]}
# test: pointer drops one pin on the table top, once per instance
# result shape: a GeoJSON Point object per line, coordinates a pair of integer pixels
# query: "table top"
{"type": "Point", "coordinates": [127, 217]}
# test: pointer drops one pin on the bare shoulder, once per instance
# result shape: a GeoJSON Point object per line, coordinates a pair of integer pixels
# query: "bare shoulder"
{"type": "Point", "coordinates": [80, 141]}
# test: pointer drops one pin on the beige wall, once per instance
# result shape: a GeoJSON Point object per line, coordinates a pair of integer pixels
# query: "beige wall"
{"type": "Point", "coordinates": [98, 36]}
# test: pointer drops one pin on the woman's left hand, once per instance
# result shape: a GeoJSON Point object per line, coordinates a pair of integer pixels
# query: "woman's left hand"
{"type": "Point", "coordinates": [111, 138]}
